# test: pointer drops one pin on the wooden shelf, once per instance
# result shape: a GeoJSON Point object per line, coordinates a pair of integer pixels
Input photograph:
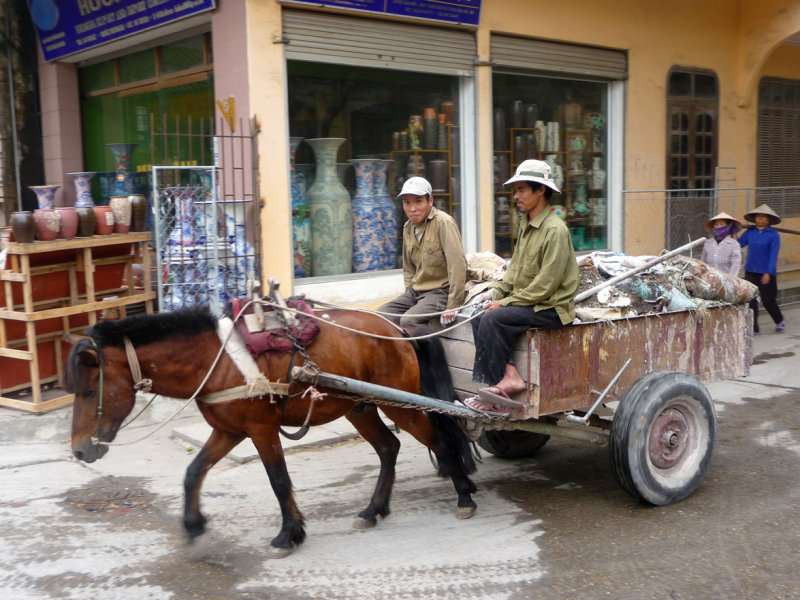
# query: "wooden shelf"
{"type": "Point", "coordinates": [33, 270]}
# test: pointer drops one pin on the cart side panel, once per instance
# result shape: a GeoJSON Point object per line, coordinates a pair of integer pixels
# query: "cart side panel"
{"type": "Point", "coordinates": [576, 363]}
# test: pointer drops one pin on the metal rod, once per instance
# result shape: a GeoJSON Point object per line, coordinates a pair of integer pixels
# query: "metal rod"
{"type": "Point", "coordinates": [781, 229]}
{"type": "Point", "coordinates": [659, 259]}
{"type": "Point", "coordinates": [363, 388]}
{"type": "Point", "coordinates": [585, 418]}
{"type": "Point", "coordinates": [593, 436]}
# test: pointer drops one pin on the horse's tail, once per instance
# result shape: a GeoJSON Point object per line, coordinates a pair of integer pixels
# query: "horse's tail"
{"type": "Point", "coordinates": [437, 382]}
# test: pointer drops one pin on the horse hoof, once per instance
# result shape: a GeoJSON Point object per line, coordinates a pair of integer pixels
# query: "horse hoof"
{"type": "Point", "coordinates": [278, 552]}
{"type": "Point", "coordinates": [465, 512]}
{"type": "Point", "coordinates": [363, 524]}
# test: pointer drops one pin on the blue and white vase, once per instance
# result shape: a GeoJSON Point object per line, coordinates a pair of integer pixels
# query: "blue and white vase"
{"type": "Point", "coordinates": [45, 195]}
{"type": "Point", "coordinates": [389, 213]}
{"type": "Point", "coordinates": [367, 219]}
{"type": "Point", "coordinates": [301, 224]}
{"type": "Point", "coordinates": [331, 213]}
{"type": "Point", "coordinates": [83, 188]}
{"type": "Point", "coordinates": [123, 183]}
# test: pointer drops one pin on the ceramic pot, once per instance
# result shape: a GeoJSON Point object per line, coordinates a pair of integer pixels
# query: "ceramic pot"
{"type": "Point", "coordinates": [441, 136]}
{"type": "Point", "coordinates": [331, 213]}
{"type": "Point", "coordinates": [47, 224]}
{"type": "Point", "coordinates": [448, 108]}
{"type": "Point", "coordinates": [437, 170]}
{"type": "Point", "coordinates": [415, 127]}
{"type": "Point", "coordinates": [83, 188]}
{"type": "Point", "coordinates": [138, 211]}
{"type": "Point", "coordinates": [430, 130]}
{"type": "Point", "coordinates": [87, 221]}
{"type": "Point", "coordinates": [416, 166]}
{"type": "Point", "coordinates": [531, 116]}
{"type": "Point", "coordinates": [517, 114]}
{"type": "Point", "coordinates": [123, 184]}
{"type": "Point", "coordinates": [389, 211]}
{"type": "Point", "coordinates": [68, 218]}
{"type": "Point", "coordinates": [367, 219]}
{"type": "Point", "coordinates": [121, 207]}
{"type": "Point", "coordinates": [499, 133]}
{"type": "Point", "coordinates": [104, 220]}
{"type": "Point", "coordinates": [23, 227]}
{"type": "Point", "coordinates": [301, 225]}
{"type": "Point", "coordinates": [45, 195]}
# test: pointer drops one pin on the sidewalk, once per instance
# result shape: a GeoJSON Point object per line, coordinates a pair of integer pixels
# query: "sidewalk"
{"type": "Point", "coordinates": [188, 427]}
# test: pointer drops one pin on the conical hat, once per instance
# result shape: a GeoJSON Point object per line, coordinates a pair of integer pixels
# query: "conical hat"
{"type": "Point", "coordinates": [774, 219]}
{"type": "Point", "coordinates": [737, 224]}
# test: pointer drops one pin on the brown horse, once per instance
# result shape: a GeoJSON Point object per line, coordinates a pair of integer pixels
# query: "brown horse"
{"type": "Point", "coordinates": [176, 351]}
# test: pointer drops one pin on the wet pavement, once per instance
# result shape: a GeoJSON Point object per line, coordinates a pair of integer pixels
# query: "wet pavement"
{"type": "Point", "coordinates": [554, 527]}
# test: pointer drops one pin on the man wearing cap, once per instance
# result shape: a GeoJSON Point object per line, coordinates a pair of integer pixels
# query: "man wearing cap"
{"type": "Point", "coordinates": [538, 288]}
{"type": "Point", "coordinates": [434, 265]}
{"type": "Point", "coordinates": [761, 266]}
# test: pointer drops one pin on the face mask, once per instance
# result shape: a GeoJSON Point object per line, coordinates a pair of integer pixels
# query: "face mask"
{"type": "Point", "coordinates": [721, 232]}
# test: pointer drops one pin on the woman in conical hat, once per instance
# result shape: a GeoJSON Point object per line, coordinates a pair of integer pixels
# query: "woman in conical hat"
{"type": "Point", "coordinates": [721, 250]}
{"type": "Point", "coordinates": [763, 243]}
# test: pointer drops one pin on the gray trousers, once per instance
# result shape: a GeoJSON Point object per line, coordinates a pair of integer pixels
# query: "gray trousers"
{"type": "Point", "coordinates": [410, 304]}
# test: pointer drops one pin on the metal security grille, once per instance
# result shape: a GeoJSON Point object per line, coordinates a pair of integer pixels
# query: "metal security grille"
{"type": "Point", "coordinates": [206, 232]}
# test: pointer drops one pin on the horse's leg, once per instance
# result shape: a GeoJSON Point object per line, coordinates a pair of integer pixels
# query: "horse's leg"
{"type": "Point", "coordinates": [442, 435]}
{"type": "Point", "coordinates": [217, 446]}
{"type": "Point", "coordinates": [368, 423]}
{"type": "Point", "coordinates": [292, 533]}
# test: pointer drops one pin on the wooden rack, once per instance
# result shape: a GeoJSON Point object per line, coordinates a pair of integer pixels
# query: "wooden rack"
{"type": "Point", "coordinates": [30, 277]}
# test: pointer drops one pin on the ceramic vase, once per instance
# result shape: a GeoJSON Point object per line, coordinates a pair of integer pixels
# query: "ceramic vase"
{"type": "Point", "coordinates": [415, 127]}
{"type": "Point", "coordinates": [441, 136]}
{"type": "Point", "coordinates": [83, 188]}
{"type": "Point", "coordinates": [87, 221]}
{"type": "Point", "coordinates": [531, 116]}
{"type": "Point", "coordinates": [331, 213]}
{"type": "Point", "coordinates": [416, 166]}
{"type": "Point", "coordinates": [301, 225]}
{"type": "Point", "coordinates": [123, 183]}
{"type": "Point", "coordinates": [104, 220]}
{"type": "Point", "coordinates": [138, 211]}
{"type": "Point", "coordinates": [517, 113]}
{"type": "Point", "coordinates": [182, 234]}
{"type": "Point", "coordinates": [499, 133]}
{"type": "Point", "coordinates": [430, 129]}
{"type": "Point", "coordinates": [121, 207]}
{"type": "Point", "coordinates": [448, 108]}
{"type": "Point", "coordinates": [367, 219]}
{"type": "Point", "coordinates": [68, 222]}
{"type": "Point", "coordinates": [557, 169]}
{"type": "Point", "coordinates": [23, 226]}
{"type": "Point", "coordinates": [45, 195]}
{"type": "Point", "coordinates": [598, 173]}
{"type": "Point", "coordinates": [437, 170]}
{"type": "Point", "coordinates": [389, 215]}
{"type": "Point", "coordinates": [47, 224]}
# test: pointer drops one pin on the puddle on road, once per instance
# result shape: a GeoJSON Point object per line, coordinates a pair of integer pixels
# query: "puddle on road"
{"type": "Point", "coordinates": [110, 495]}
{"type": "Point", "coordinates": [760, 359]}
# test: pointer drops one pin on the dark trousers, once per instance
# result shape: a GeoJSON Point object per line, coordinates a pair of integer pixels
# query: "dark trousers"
{"type": "Point", "coordinates": [410, 304]}
{"type": "Point", "coordinates": [495, 333]}
{"type": "Point", "coordinates": [768, 294]}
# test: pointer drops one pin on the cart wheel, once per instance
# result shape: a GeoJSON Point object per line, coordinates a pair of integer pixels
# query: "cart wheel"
{"type": "Point", "coordinates": [512, 444]}
{"type": "Point", "coordinates": [662, 436]}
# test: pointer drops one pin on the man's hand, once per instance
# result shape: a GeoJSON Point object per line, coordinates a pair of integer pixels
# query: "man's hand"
{"type": "Point", "coordinates": [448, 317]}
{"type": "Point", "coordinates": [482, 299]}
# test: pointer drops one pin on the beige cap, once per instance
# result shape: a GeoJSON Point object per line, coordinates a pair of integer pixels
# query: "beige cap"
{"type": "Point", "coordinates": [763, 209]}
{"type": "Point", "coordinates": [723, 215]}
{"type": "Point", "coordinates": [416, 186]}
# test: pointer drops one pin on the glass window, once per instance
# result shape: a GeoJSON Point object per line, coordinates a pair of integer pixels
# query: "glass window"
{"type": "Point", "coordinates": [563, 122]}
{"type": "Point", "coordinates": [183, 54]}
{"type": "Point", "coordinates": [138, 66]}
{"type": "Point", "coordinates": [387, 126]}
{"type": "Point", "coordinates": [97, 77]}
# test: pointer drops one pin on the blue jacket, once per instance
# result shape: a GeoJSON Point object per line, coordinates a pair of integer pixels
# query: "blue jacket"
{"type": "Point", "coordinates": [762, 257]}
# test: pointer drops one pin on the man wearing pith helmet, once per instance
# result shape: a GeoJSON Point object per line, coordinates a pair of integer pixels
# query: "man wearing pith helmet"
{"type": "Point", "coordinates": [434, 265]}
{"type": "Point", "coordinates": [538, 288]}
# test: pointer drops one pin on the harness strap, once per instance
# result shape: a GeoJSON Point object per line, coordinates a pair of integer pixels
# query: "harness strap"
{"type": "Point", "coordinates": [139, 384]}
{"type": "Point", "coordinates": [244, 391]}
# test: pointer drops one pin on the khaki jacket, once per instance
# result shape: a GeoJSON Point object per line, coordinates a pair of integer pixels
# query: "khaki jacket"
{"type": "Point", "coordinates": [437, 261]}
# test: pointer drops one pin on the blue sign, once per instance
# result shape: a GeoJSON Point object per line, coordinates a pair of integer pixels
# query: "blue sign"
{"type": "Point", "coordinates": [69, 26]}
{"type": "Point", "coordinates": [461, 12]}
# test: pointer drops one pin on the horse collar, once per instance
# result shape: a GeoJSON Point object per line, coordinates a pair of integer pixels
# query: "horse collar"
{"type": "Point", "coordinates": [139, 383]}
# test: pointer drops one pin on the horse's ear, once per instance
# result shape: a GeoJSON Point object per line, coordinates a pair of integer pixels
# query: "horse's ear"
{"type": "Point", "coordinates": [88, 357]}
{"type": "Point", "coordinates": [72, 338]}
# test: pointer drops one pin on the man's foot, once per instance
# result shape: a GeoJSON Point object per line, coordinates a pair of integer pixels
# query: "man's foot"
{"type": "Point", "coordinates": [497, 396]}
{"type": "Point", "coordinates": [780, 326]}
{"type": "Point", "coordinates": [477, 404]}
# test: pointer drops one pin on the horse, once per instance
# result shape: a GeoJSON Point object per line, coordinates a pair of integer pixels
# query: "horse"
{"type": "Point", "coordinates": [176, 351]}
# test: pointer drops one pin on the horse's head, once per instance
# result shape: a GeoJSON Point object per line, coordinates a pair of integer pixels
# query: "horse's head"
{"type": "Point", "coordinates": [104, 395]}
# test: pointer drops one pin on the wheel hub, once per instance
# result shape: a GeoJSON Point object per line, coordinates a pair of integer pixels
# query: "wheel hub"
{"type": "Point", "coordinates": [668, 438]}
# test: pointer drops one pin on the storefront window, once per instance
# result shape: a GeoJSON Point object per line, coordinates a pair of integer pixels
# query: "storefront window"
{"type": "Point", "coordinates": [388, 126]}
{"type": "Point", "coordinates": [563, 122]}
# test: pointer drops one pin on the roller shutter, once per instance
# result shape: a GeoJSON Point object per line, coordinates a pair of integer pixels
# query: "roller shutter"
{"type": "Point", "coordinates": [552, 57]}
{"type": "Point", "coordinates": [328, 38]}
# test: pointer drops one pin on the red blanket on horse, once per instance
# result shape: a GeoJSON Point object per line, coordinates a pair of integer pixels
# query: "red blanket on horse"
{"type": "Point", "coordinates": [276, 339]}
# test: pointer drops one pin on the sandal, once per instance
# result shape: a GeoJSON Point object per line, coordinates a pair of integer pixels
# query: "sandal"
{"type": "Point", "coordinates": [498, 397]}
{"type": "Point", "coordinates": [478, 405]}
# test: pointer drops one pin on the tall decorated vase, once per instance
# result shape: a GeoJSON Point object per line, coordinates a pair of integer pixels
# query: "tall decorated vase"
{"type": "Point", "coordinates": [123, 182]}
{"type": "Point", "coordinates": [367, 219]}
{"type": "Point", "coordinates": [45, 195]}
{"type": "Point", "coordinates": [301, 224]}
{"type": "Point", "coordinates": [83, 188]}
{"type": "Point", "coordinates": [331, 213]}
{"type": "Point", "coordinates": [389, 214]}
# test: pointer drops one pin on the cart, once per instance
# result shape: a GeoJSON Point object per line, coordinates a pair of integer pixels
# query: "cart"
{"type": "Point", "coordinates": [635, 385]}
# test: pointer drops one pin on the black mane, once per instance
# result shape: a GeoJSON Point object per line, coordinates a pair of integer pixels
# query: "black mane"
{"type": "Point", "coordinates": [145, 329]}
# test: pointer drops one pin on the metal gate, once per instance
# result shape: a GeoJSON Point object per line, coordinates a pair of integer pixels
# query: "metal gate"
{"type": "Point", "coordinates": [205, 218]}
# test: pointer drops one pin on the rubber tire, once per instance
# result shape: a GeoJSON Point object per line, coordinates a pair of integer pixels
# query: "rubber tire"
{"type": "Point", "coordinates": [644, 410]}
{"type": "Point", "coordinates": [512, 444]}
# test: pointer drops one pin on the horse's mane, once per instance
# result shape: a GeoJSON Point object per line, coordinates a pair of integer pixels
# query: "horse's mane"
{"type": "Point", "coordinates": [146, 329]}
{"type": "Point", "coordinates": [139, 329]}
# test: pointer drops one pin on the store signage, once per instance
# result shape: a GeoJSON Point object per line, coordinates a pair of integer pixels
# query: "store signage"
{"type": "Point", "coordinates": [461, 12]}
{"type": "Point", "coordinates": [69, 26]}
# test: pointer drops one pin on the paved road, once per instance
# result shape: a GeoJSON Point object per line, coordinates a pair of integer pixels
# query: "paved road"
{"type": "Point", "coordinates": [553, 527]}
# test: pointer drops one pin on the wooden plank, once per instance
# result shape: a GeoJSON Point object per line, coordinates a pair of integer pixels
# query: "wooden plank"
{"type": "Point", "coordinates": [17, 354]}
{"type": "Point", "coordinates": [87, 307]}
{"type": "Point", "coordinates": [15, 248]}
{"type": "Point", "coordinates": [37, 407]}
